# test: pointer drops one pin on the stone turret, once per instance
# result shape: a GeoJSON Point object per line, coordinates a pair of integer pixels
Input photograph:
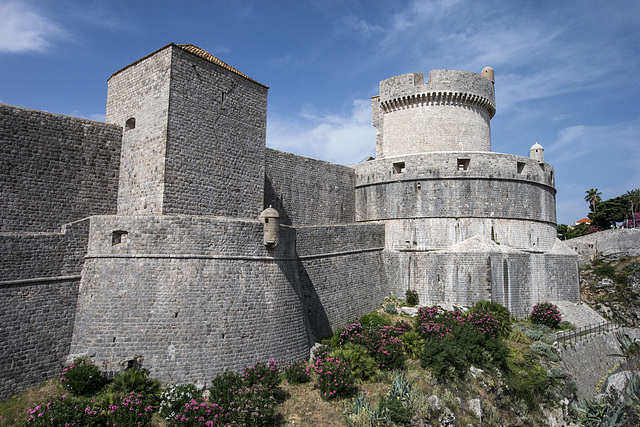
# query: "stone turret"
{"type": "Point", "coordinates": [451, 112]}
{"type": "Point", "coordinates": [536, 152]}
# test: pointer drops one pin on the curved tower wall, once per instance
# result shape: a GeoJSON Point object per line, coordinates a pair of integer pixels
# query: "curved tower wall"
{"type": "Point", "coordinates": [451, 112]}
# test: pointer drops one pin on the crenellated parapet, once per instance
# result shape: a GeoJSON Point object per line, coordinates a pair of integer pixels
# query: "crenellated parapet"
{"type": "Point", "coordinates": [450, 112]}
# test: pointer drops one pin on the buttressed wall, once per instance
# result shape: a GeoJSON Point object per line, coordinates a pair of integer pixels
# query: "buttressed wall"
{"type": "Point", "coordinates": [154, 245]}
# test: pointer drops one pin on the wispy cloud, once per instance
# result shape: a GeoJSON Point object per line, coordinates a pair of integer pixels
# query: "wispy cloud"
{"type": "Point", "coordinates": [344, 139]}
{"type": "Point", "coordinates": [23, 28]}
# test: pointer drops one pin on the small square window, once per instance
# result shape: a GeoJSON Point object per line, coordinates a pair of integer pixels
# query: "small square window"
{"type": "Point", "coordinates": [119, 237]}
{"type": "Point", "coordinates": [521, 166]}
{"type": "Point", "coordinates": [463, 164]}
{"type": "Point", "coordinates": [398, 167]}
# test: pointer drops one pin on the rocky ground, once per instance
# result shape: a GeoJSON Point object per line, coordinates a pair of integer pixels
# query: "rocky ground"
{"type": "Point", "coordinates": [611, 286]}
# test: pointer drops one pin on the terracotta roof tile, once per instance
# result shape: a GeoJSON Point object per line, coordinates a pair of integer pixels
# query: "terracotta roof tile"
{"type": "Point", "coordinates": [195, 50]}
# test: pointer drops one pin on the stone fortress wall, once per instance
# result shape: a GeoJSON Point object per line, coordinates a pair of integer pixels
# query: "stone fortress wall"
{"type": "Point", "coordinates": [624, 242]}
{"type": "Point", "coordinates": [168, 262]}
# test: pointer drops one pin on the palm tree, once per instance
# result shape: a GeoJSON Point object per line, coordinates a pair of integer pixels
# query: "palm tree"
{"type": "Point", "coordinates": [634, 198]}
{"type": "Point", "coordinates": [592, 197]}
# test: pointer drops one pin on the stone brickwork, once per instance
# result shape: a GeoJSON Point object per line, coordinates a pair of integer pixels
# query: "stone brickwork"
{"type": "Point", "coordinates": [37, 322]}
{"type": "Point", "coordinates": [215, 141]}
{"type": "Point", "coordinates": [451, 112]}
{"type": "Point", "coordinates": [308, 191]}
{"type": "Point", "coordinates": [625, 242]}
{"type": "Point", "coordinates": [54, 169]}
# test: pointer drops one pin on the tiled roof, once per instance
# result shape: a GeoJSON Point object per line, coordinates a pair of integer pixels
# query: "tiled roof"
{"type": "Point", "coordinates": [195, 50]}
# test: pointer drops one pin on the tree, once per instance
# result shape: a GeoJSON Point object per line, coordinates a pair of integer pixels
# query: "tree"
{"type": "Point", "coordinates": [634, 197]}
{"type": "Point", "coordinates": [610, 211]}
{"type": "Point", "coordinates": [592, 197]}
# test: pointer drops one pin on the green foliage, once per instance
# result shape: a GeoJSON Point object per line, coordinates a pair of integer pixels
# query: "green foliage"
{"type": "Point", "coordinates": [611, 211]}
{"type": "Point", "coordinates": [400, 387]}
{"type": "Point", "coordinates": [412, 343]}
{"type": "Point", "coordinates": [297, 373]}
{"type": "Point", "coordinates": [391, 309]}
{"type": "Point", "coordinates": [615, 409]}
{"type": "Point", "coordinates": [82, 378]}
{"type": "Point", "coordinates": [606, 270]}
{"type": "Point", "coordinates": [545, 350]}
{"type": "Point", "coordinates": [63, 411]}
{"type": "Point", "coordinates": [465, 346]}
{"type": "Point", "coordinates": [545, 313]}
{"type": "Point", "coordinates": [499, 312]}
{"type": "Point", "coordinates": [518, 335]}
{"type": "Point", "coordinates": [393, 410]}
{"type": "Point", "coordinates": [526, 378]}
{"type": "Point", "coordinates": [175, 397]}
{"type": "Point", "coordinates": [222, 387]}
{"type": "Point", "coordinates": [334, 378]}
{"type": "Point", "coordinates": [412, 298]}
{"type": "Point", "coordinates": [362, 365]}
{"type": "Point", "coordinates": [137, 381]}
{"type": "Point", "coordinates": [565, 325]}
{"type": "Point", "coordinates": [359, 413]}
{"type": "Point", "coordinates": [260, 373]}
{"type": "Point", "coordinates": [630, 347]}
{"type": "Point", "coordinates": [374, 320]}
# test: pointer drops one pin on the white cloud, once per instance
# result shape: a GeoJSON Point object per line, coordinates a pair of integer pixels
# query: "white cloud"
{"type": "Point", "coordinates": [345, 139]}
{"type": "Point", "coordinates": [24, 29]}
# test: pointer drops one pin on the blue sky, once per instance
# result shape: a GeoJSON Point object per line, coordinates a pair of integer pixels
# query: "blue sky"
{"type": "Point", "coordinates": [567, 72]}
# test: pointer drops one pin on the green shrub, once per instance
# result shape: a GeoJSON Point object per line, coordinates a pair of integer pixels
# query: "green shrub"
{"type": "Point", "coordinates": [518, 335]}
{"type": "Point", "coordinates": [606, 270]}
{"type": "Point", "coordinates": [412, 298]}
{"type": "Point", "coordinates": [362, 365]}
{"type": "Point", "coordinates": [334, 378]}
{"type": "Point", "coordinates": [527, 379]}
{"type": "Point", "coordinates": [546, 314]}
{"type": "Point", "coordinates": [222, 387]}
{"type": "Point", "coordinates": [391, 309]}
{"type": "Point", "coordinates": [175, 397]}
{"type": "Point", "coordinates": [412, 343]}
{"type": "Point", "coordinates": [565, 325]}
{"type": "Point", "coordinates": [393, 410]}
{"type": "Point", "coordinates": [297, 373]}
{"type": "Point", "coordinates": [499, 312]}
{"type": "Point", "coordinates": [374, 321]}
{"type": "Point", "coordinates": [359, 413]}
{"type": "Point", "coordinates": [137, 381]}
{"type": "Point", "coordinates": [260, 373]}
{"type": "Point", "coordinates": [465, 346]}
{"type": "Point", "coordinates": [545, 350]}
{"type": "Point", "coordinates": [400, 387]}
{"type": "Point", "coordinates": [82, 378]}
{"type": "Point", "coordinates": [64, 411]}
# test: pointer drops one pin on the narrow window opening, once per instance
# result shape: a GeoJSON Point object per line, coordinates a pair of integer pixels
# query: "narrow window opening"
{"type": "Point", "coordinates": [398, 167]}
{"type": "Point", "coordinates": [175, 314]}
{"type": "Point", "coordinates": [463, 164]}
{"type": "Point", "coordinates": [130, 124]}
{"type": "Point", "coordinates": [114, 339]}
{"type": "Point", "coordinates": [521, 166]}
{"type": "Point", "coordinates": [119, 237]}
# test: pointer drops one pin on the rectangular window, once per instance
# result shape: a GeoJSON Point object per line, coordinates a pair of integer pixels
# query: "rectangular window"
{"type": "Point", "coordinates": [521, 166]}
{"type": "Point", "coordinates": [463, 164]}
{"type": "Point", "coordinates": [398, 167]}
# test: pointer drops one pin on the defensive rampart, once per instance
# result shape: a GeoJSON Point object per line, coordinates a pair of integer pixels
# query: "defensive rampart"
{"type": "Point", "coordinates": [625, 242]}
{"type": "Point", "coordinates": [55, 169]}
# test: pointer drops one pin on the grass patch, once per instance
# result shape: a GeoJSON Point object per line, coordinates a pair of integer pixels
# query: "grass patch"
{"type": "Point", "coordinates": [13, 412]}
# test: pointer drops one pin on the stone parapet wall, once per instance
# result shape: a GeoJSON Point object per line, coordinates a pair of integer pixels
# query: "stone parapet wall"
{"type": "Point", "coordinates": [54, 169]}
{"type": "Point", "coordinates": [27, 256]}
{"type": "Point", "coordinates": [196, 295]}
{"type": "Point", "coordinates": [307, 191]}
{"type": "Point", "coordinates": [625, 242]}
{"type": "Point", "coordinates": [432, 186]}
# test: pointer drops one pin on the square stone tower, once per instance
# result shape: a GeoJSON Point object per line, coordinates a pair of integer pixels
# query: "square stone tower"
{"type": "Point", "coordinates": [194, 132]}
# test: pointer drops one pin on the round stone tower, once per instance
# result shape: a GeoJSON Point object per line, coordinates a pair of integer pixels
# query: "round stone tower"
{"type": "Point", "coordinates": [462, 223]}
{"type": "Point", "coordinates": [451, 112]}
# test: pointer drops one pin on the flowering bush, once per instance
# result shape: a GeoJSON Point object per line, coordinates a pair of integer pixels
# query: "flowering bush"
{"type": "Point", "coordinates": [546, 314]}
{"type": "Point", "coordinates": [334, 378]}
{"type": "Point", "coordinates": [382, 344]}
{"type": "Point", "coordinates": [82, 378]}
{"type": "Point", "coordinates": [66, 411]}
{"type": "Point", "coordinates": [297, 373]}
{"type": "Point", "coordinates": [175, 397]}
{"type": "Point", "coordinates": [63, 411]}
{"type": "Point", "coordinates": [484, 322]}
{"type": "Point", "coordinates": [260, 373]}
{"type": "Point", "coordinates": [246, 405]}
{"type": "Point", "coordinates": [412, 298]}
{"type": "Point", "coordinates": [430, 323]}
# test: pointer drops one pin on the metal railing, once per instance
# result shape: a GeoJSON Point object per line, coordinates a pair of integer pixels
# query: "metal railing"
{"type": "Point", "coordinates": [585, 332]}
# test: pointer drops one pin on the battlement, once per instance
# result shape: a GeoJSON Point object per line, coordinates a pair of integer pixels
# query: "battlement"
{"type": "Point", "coordinates": [450, 112]}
